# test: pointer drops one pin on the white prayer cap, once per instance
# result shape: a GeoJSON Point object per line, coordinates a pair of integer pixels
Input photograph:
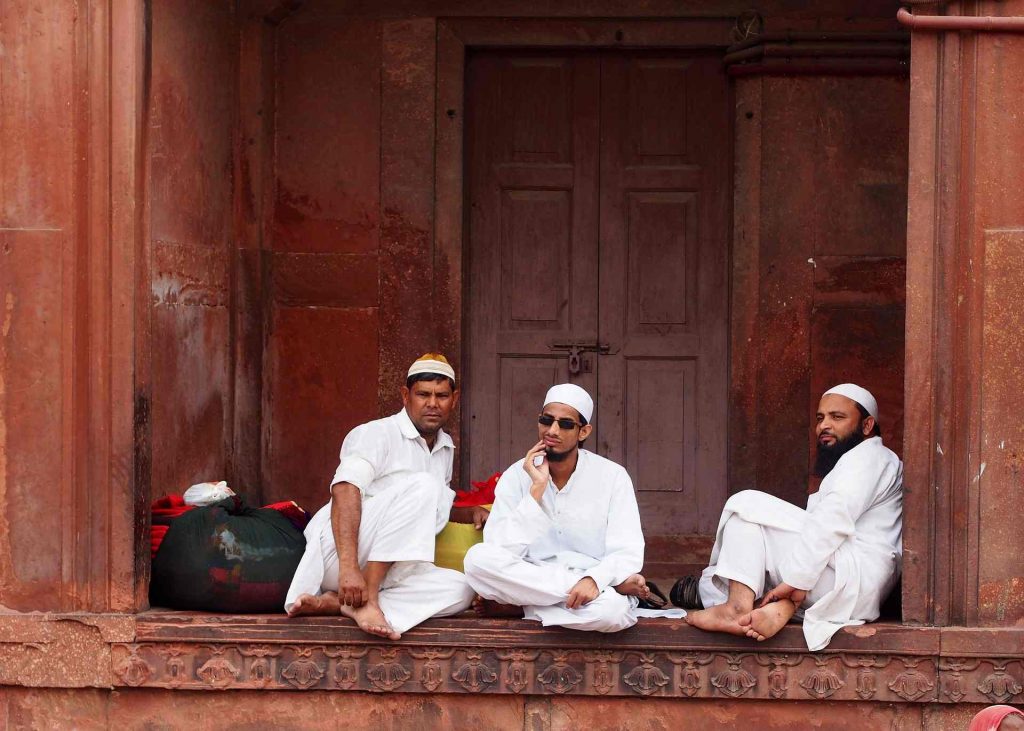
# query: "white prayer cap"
{"type": "Point", "coordinates": [431, 363]}
{"type": "Point", "coordinates": [571, 395]}
{"type": "Point", "coordinates": [854, 392]}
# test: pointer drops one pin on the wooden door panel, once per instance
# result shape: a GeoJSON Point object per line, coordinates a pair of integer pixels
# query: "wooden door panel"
{"type": "Point", "coordinates": [663, 300]}
{"type": "Point", "coordinates": [661, 238]}
{"type": "Point", "coordinates": [533, 262]}
{"type": "Point", "coordinates": [660, 429]}
{"type": "Point", "coordinates": [536, 237]}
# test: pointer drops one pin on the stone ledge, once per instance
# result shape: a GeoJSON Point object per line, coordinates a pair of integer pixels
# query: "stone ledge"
{"type": "Point", "coordinates": [657, 658]}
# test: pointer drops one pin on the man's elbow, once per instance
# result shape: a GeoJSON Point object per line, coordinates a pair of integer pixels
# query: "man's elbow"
{"type": "Point", "coordinates": [341, 491]}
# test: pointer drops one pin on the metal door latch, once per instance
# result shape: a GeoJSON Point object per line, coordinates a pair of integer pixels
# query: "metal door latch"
{"type": "Point", "coordinates": [575, 349]}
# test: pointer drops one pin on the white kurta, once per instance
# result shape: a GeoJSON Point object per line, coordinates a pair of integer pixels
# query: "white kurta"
{"type": "Point", "coordinates": [845, 549]}
{"type": "Point", "coordinates": [405, 503]}
{"type": "Point", "coordinates": [534, 553]}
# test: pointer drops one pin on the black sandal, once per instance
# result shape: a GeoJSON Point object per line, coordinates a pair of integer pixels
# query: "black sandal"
{"type": "Point", "coordinates": [685, 593]}
{"type": "Point", "coordinates": [657, 601]}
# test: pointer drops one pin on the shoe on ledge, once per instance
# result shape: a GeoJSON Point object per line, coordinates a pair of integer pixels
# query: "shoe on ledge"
{"type": "Point", "coordinates": [685, 594]}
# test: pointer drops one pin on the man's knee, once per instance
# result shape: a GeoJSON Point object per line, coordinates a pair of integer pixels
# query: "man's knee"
{"type": "Point", "coordinates": [612, 612]}
{"type": "Point", "coordinates": [479, 559]}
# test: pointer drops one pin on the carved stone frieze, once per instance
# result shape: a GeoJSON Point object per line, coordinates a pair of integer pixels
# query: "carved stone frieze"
{"type": "Point", "coordinates": [770, 675]}
{"type": "Point", "coordinates": [735, 681]}
{"type": "Point", "coordinates": [474, 675]}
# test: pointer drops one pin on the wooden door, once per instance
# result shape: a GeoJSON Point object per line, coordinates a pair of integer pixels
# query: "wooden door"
{"type": "Point", "coordinates": [664, 213]}
{"type": "Point", "coordinates": [598, 216]}
{"type": "Point", "coordinates": [533, 273]}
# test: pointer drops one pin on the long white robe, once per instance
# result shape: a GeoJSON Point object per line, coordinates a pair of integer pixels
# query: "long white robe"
{"type": "Point", "coordinates": [405, 503]}
{"type": "Point", "coordinates": [845, 549]}
{"type": "Point", "coordinates": [534, 553]}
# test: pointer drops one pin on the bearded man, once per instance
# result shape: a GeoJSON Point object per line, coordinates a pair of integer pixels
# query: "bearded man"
{"type": "Point", "coordinates": [370, 550]}
{"type": "Point", "coordinates": [834, 562]}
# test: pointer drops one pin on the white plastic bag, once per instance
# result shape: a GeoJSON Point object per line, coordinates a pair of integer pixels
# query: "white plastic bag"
{"type": "Point", "coordinates": [207, 493]}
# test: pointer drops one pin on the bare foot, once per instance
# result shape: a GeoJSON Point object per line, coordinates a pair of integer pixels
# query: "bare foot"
{"type": "Point", "coordinates": [490, 608]}
{"type": "Point", "coordinates": [307, 604]}
{"type": "Point", "coordinates": [723, 618]}
{"type": "Point", "coordinates": [765, 622]}
{"type": "Point", "coordinates": [636, 585]}
{"type": "Point", "coordinates": [371, 620]}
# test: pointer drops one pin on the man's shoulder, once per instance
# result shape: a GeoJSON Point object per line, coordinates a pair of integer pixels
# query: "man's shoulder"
{"type": "Point", "coordinates": [377, 427]}
{"type": "Point", "coordinates": [871, 452]}
{"type": "Point", "coordinates": [603, 464]}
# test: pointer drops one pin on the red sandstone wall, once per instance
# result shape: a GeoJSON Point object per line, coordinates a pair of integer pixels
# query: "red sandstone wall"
{"type": "Point", "coordinates": [192, 110]}
{"type": "Point", "coordinates": [37, 263]}
{"type": "Point", "coordinates": [140, 709]}
{"type": "Point", "coordinates": [819, 264]}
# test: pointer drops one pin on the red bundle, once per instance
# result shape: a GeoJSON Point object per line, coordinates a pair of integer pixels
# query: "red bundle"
{"type": "Point", "coordinates": [481, 494]}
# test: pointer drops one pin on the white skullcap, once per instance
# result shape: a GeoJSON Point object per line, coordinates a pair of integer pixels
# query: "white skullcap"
{"type": "Point", "coordinates": [854, 392]}
{"type": "Point", "coordinates": [571, 395]}
{"type": "Point", "coordinates": [431, 363]}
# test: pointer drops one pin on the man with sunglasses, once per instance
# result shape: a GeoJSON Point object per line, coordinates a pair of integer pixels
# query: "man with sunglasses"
{"type": "Point", "coordinates": [563, 540]}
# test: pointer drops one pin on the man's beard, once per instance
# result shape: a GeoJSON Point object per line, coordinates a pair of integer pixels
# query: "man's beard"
{"type": "Point", "coordinates": [554, 456]}
{"type": "Point", "coordinates": [828, 455]}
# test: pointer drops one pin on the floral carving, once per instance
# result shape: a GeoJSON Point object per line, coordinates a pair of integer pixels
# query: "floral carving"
{"type": "Point", "coordinates": [999, 686]}
{"type": "Point", "coordinates": [689, 674]}
{"type": "Point", "coordinates": [431, 675]}
{"type": "Point", "coordinates": [303, 673]}
{"type": "Point", "coordinates": [134, 671]}
{"type": "Point", "coordinates": [346, 674]}
{"type": "Point", "coordinates": [735, 681]}
{"type": "Point", "coordinates": [218, 672]}
{"type": "Point", "coordinates": [953, 686]}
{"type": "Point", "coordinates": [778, 676]}
{"type": "Point", "coordinates": [604, 678]}
{"type": "Point", "coordinates": [646, 678]}
{"type": "Point", "coordinates": [866, 682]}
{"type": "Point", "coordinates": [516, 675]}
{"type": "Point", "coordinates": [559, 677]}
{"type": "Point", "coordinates": [822, 681]}
{"type": "Point", "coordinates": [260, 672]}
{"type": "Point", "coordinates": [474, 675]}
{"type": "Point", "coordinates": [911, 684]}
{"type": "Point", "coordinates": [388, 674]}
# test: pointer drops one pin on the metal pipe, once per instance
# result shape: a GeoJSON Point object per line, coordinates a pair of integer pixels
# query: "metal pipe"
{"type": "Point", "coordinates": [991, 23]}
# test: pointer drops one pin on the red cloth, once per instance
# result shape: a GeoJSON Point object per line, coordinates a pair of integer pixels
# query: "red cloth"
{"type": "Point", "coordinates": [291, 510]}
{"type": "Point", "coordinates": [482, 494]}
{"type": "Point", "coordinates": [990, 718]}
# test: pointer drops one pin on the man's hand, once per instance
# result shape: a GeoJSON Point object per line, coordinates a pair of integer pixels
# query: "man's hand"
{"type": "Point", "coordinates": [784, 591]}
{"type": "Point", "coordinates": [476, 514]}
{"type": "Point", "coordinates": [584, 592]}
{"type": "Point", "coordinates": [352, 587]}
{"type": "Point", "coordinates": [539, 475]}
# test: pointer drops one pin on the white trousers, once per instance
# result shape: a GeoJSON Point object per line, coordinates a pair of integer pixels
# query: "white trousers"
{"type": "Point", "coordinates": [398, 526]}
{"type": "Point", "coordinates": [541, 590]}
{"type": "Point", "coordinates": [750, 553]}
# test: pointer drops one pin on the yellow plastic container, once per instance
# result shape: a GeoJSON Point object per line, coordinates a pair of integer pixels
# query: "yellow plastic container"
{"type": "Point", "coordinates": [452, 543]}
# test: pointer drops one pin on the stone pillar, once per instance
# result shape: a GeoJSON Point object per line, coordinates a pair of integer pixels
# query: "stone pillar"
{"type": "Point", "coordinates": [965, 318]}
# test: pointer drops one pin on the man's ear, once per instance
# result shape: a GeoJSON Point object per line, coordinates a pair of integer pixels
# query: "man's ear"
{"type": "Point", "coordinates": [868, 425]}
{"type": "Point", "coordinates": [585, 431]}
{"type": "Point", "coordinates": [405, 396]}
{"type": "Point", "coordinates": [455, 397]}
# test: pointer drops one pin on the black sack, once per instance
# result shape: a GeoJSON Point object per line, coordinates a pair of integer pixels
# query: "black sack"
{"type": "Point", "coordinates": [226, 557]}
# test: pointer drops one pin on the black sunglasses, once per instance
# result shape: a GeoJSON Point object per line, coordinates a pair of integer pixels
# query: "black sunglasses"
{"type": "Point", "coordinates": [564, 424]}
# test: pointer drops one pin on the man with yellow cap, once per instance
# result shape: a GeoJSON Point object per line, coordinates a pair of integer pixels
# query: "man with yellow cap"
{"type": "Point", "coordinates": [370, 550]}
{"type": "Point", "coordinates": [563, 540]}
{"type": "Point", "coordinates": [834, 562]}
